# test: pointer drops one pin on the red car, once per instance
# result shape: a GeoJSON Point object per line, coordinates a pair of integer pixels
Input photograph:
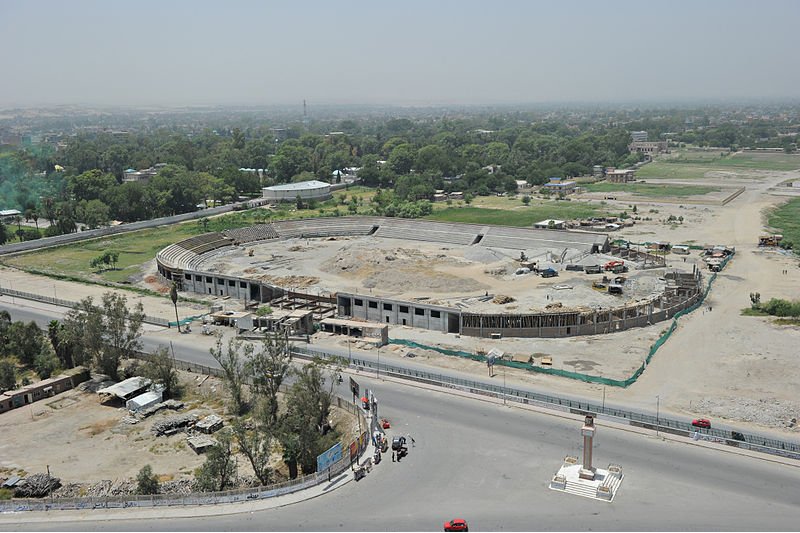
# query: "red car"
{"type": "Point", "coordinates": [701, 423]}
{"type": "Point", "coordinates": [456, 524]}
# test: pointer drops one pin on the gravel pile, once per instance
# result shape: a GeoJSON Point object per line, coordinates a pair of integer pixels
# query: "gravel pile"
{"type": "Point", "coordinates": [766, 412]}
{"type": "Point", "coordinates": [177, 486]}
{"type": "Point", "coordinates": [37, 486]}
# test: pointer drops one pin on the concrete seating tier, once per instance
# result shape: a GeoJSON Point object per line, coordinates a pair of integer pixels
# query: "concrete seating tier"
{"type": "Point", "coordinates": [176, 256]}
{"type": "Point", "coordinates": [260, 232]}
{"type": "Point", "coordinates": [427, 231]}
{"type": "Point", "coordinates": [512, 243]}
{"type": "Point", "coordinates": [325, 227]}
{"type": "Point", "coordinates": [193, 242]}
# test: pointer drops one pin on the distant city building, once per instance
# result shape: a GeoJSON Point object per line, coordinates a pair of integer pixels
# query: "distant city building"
{"type": "Point", "coordinates": [648, 147]}
{"type": "Point", "coordinates": [144, 175]}
{"type": "Point", "coordinates": [307, 190]}
{"type": "Point", "coordinates": [639, 136]}
{"type": "Point", "coordinates": [560, 185]}
{"type": "Point", "coordinates": [614, 175]}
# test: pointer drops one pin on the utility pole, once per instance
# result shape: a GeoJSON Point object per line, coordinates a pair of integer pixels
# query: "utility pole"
{"type": "Point", "coordinates": [604, 398]}
{"type": "Point", "coordinates": [658, 401]}
{"type": "Point", "coordinates": [504, 384]}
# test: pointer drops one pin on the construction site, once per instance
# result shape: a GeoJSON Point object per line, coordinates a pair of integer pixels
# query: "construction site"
{"type": "Point", "coordinates": [481, 281]}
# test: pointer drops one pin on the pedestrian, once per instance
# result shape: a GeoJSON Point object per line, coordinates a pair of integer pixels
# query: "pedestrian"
{"type": "Point", "coordinates": [392, 455]}
{"type": "Point", "coordinates": [413, 442]}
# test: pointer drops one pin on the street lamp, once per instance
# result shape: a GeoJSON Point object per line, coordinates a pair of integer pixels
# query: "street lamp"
{"type": "Point", "coordinates": [378, 368]}
{"type": "Point", "coordinates": [504, 384]}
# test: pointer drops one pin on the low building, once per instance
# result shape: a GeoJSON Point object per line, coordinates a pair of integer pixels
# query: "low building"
{"type": "Point", "coordinates": [306, 190]}
{"type": "Point", "coordinates": [370, 331]}
{"type": "Point", "coordinates": [639, 136]}
{"type": "Point", "coordinates": [522, 185]}
{"type": "Point", "coordinates": [9, 215]}
{"type": "Point", "coordinates": [43, 389]}
{"type": "Point", "coordinates": [550, 224]}
{"type": "Point", "coordinates": [209, 424]}
{"type": "Point", "coordinates": [560, 185]}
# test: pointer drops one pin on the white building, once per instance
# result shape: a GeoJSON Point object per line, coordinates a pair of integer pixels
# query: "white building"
{"type": "Point", "coordinates": [307, 190]}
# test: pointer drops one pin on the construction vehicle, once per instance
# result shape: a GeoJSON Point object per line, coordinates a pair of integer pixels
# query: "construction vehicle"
{"type": "Point", "coordinates": [613, 264]}
{"type": "Point", "coordinates": [770, 240]}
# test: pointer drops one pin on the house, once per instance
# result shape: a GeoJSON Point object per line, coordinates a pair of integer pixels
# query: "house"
{"type": "Point", "coordinates": [614, 175]}
{"type": "Point", "coordinates": [458, 195]}
{"type": "Point", "coordinates": [560, 185]}
{"type": "Point", "coordinates": [133, 175]}
{"type": "Point", "coordinates": [522, 185]}
{"type": "Point", "coordinates": [550, 224]}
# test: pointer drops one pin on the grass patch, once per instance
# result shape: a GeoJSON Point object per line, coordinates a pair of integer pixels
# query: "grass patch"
{"type": "Point", "coordinates": [99, 427]}
{"type": "Point", "coordinates": [749, 311]}
{"type": "Point", "coordinates": [652, 189]}
{"type": "Point", "coordinates": [518, 217]}
{"type": "Point", "coordinates": [787, 321]}
{"type": "Point", "coordinates": [6, 494]}
{"type": "Point", "coordinates": [786, 219]}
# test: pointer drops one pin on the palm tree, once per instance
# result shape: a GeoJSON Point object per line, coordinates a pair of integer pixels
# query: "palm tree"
{"type": "Point", "coordinates": [173, 294]}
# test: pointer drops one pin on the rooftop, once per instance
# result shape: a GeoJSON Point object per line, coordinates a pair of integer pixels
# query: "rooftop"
{"type": "Point", "coordinates": [300, 186]}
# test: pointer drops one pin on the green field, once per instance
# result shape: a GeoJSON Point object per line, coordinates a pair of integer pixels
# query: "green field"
{"type": "Point", "coordinates": [134, 249]}
{"type": "Point", "coordinates": [517, 217]}
{"type": "Point", "coordinates": [786, 219]}
{"type": "Point", "coordinates": [652, 189]}
{"type": "Point", "coordinates": [694, 165]}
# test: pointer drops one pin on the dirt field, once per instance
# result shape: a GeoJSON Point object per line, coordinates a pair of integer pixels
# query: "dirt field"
{"type": "Point", "coordinates": [84, 441]}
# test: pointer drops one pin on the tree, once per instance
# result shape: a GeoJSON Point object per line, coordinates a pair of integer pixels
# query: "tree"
{"type": "Point", "coordinates": [160, 367]}
{"type": "Point", "coordinates": [25, 341]}
{"type": "Point", "coordinates": [104, 335]}
{"type": "Point", "coordinates": [234, 370]}
{"type": "Point", "coordinates": [45, 364]}
{"type": "Point", "coordinates": [256, 445]}
{"type": "Point", "coordinates": [146, 481]}
{"type": "Point", "coordinates": [61, 343]}
{"type": "Point", "coordinates": [269, 367]}
{"type": "Point", "coordinates": [219, 469]}
{"type": "Point", "coordinates": [4, 235]}
{"type": "Point", "coordinates": [8, 375]}
{"type": "Point", "coordinates": [526, 200]}
{"type": "Point", "coordinates": [94, 213]}
{"type": "Point", "coordinates": [309, 408]}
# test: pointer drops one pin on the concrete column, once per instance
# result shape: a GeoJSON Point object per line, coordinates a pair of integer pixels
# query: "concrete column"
{"type": "Point", "coordinates": [587, 470]}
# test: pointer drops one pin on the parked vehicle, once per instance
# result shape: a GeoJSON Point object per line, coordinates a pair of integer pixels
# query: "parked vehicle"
{"type": "Point", "coordinates": [456, 524]}
{"type": "Point", "coordinates": [701, 423]}
{"type": "Point", "coordinates": [592, 269]}
{"type": "Point", "coordinates": [549, 273]}
{"type": "Point", "coordinates": [612, 264]}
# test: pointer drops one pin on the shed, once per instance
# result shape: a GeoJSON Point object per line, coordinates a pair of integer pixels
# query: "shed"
{"type": "Point", "coordinates": [550, 224]}
{"type": "Point", "coordinates": [125, 390]}
{"type": "Point", "coordinates": [143, 401]}
{"type": "Point", "coordinates": [11, 482]}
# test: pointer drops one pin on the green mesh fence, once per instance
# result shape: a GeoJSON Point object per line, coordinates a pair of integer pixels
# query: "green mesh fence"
{"type": "Point", "coordinates": [184, 321]}
{"type": "Point", "coordinates": [578, 375]}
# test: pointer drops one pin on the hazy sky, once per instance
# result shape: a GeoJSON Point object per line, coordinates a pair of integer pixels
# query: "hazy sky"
{"type": "Point", "coordinates": [400, 52]}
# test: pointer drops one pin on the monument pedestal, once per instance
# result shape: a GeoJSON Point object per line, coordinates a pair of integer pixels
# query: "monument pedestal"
{"type": "Point", "coordinates": [586, 473]}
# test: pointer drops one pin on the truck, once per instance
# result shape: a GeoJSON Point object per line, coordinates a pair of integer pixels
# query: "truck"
{"type": "Point", "coordinates": [612, 264]}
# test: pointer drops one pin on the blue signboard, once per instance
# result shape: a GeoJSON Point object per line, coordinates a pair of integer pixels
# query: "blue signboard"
{"type": "Point", "coordinates": [329, 457]}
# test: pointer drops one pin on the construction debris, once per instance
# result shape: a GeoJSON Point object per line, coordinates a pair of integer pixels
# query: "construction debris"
{"type": "Point", "coordinates": [200, 443]}
{"type": "Point", "coordinates": [209, 424]}
{"type": "Point", "coordinates": [169, 404]}
{"type": "Point", "coordinates": [502, 300]}
{"type": "Point", "coordinates": [37, 486]}
{"type": "Point", "coordinates": [172, 425]}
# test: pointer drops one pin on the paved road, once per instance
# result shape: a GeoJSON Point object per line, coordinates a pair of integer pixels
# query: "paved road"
{"type": "Point", "coordinates": [194, 347]}
{"type": "Point", "coordinates": [491, 465]}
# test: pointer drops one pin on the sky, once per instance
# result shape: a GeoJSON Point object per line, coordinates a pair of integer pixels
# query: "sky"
{"type": "Point", "coordinates": [409, 52]}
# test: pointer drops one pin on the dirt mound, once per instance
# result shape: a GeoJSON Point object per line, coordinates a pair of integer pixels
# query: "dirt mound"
{"type": "Point", "coordinates": [501, 299]}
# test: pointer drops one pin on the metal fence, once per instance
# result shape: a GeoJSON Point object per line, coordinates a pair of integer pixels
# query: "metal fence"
{"type": "Point", "coordinates": [69, 303]}
{"type": "Point", "coordinates": [204, 498]}
{"type": "Point", "coordinates": [729, 437]}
